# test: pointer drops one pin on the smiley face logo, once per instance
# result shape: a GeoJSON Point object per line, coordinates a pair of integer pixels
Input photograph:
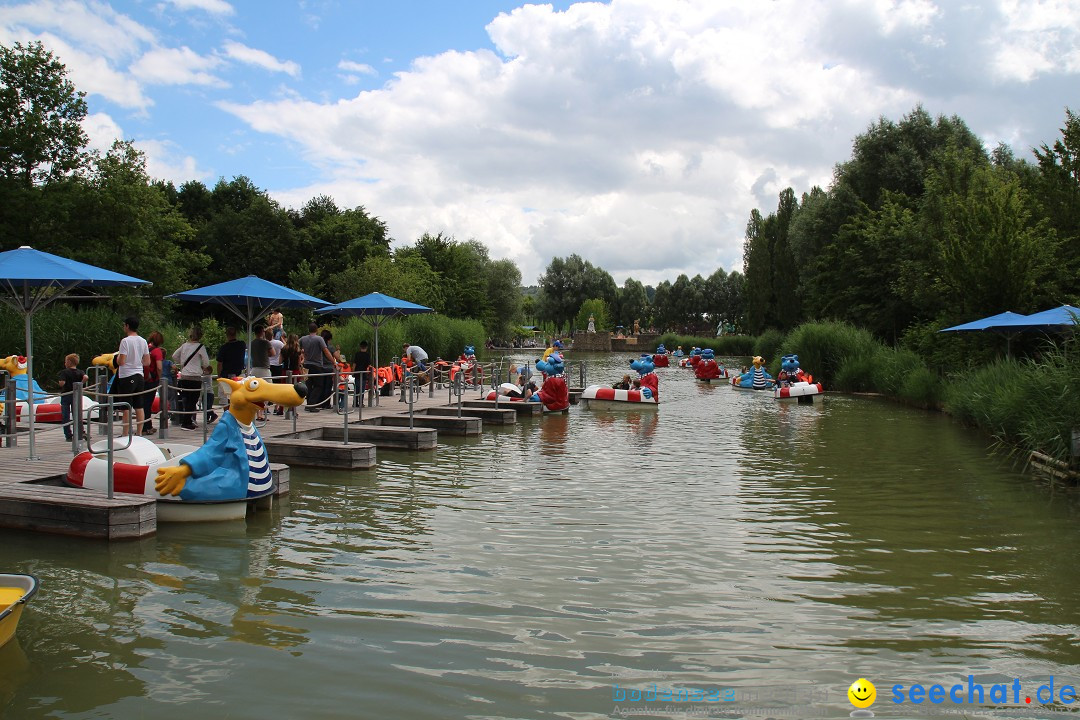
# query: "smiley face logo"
{"type": "Point", "coordinates": [862, 693]}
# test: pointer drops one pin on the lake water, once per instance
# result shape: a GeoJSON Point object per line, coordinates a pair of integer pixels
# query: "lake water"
{"type": "Point", "coordinates": [765, 554]}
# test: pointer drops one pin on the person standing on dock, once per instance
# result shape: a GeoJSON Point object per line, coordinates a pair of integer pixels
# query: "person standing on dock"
{"type": "Point", "coordinates": [319, 363]}
{"type": "Point", "coordinates": [361, 364]}
{"type": "Point", "coordinates": [131, 359]}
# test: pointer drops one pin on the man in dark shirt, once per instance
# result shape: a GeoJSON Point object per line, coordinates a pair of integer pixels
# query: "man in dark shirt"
{"type": "Point", "coordinates": [361, 361]}
{"type": "Point", "coordinates": [317, 362]}
{"type": "Point", "coordinates": [230, 359]}
{"type": "Point", "coordinates": [230, 356]}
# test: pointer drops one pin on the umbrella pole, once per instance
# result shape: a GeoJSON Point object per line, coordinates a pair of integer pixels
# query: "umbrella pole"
{"type": "Point", "coordinates": [30, 382]}
{"type": "Point", "coordinates": [374, 382]}
{"type": "Point", "coordinates": [247, 357]}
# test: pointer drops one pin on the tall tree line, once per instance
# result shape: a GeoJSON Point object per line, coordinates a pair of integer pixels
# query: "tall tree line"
{"type": "Point", "coordinates": [921, 225]}
{"type": "Point", "coordinates": [571, 288]}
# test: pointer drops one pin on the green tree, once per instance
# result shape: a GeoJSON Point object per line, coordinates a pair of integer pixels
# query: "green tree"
{"type": "Point", "coordinates": [41, 114]}
{"type": "Point", "coordinates": [405, 275]}
{"type": "Point", "coordinates": [860, 270]}
{"type": "Point", "coordinates": [992, 253]}
{"type": "Point", "coordinates": [504, 300]}
{"type": "Point", "coordinates": [757, 263]}
{"type": "Point", "coordinates": [598, 310]}
{"type": "Point", "coordinates": [462, 269]}
{"type": "Point", "coordinates": [662, 310]}
{"type": "Point", "coordinates": [126, 223]}
{"type": "Point", "coordinates": [332, 238]}
{"type": "Point", "coordinates": [566, 284]}
{"type": "Point", "coordinates": [1058, 190]}
{"type": "Point", "coordinates": [245, 232]}
{"type": "Point", "coordinates": [632, 302]}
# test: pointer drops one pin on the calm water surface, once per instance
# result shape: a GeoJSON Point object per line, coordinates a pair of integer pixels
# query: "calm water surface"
{"type": "Point", "coordinates": [727, 541]}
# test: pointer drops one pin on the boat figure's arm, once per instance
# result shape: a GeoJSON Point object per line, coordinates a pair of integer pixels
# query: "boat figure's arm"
{"type": "Point", "coordinates": [171, 480]}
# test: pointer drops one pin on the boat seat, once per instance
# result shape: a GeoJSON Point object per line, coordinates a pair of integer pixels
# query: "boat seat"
{"type": "Point", "coordinates": [141, 451]}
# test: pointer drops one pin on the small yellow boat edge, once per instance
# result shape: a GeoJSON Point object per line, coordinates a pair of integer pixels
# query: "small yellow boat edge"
{"type": "Point", "coordinates": [16, 589]}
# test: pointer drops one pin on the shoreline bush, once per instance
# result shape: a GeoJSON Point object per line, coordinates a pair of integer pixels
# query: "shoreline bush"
{"type": "Point", "coordinates": [724, 345]}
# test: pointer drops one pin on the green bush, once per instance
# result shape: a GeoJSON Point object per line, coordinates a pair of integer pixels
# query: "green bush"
{"type": "Point", "coordinates": [824, 347]}
{"type": "Point", "coordinates": [769, 345]}
{"type": "Point", "coordinates": [1032, 404]}
{"type": "Point", "coordinates": [952, 351]}
{"type": "Point", "coordinates": [724, 346]}
{"type": "Point", "coordinates": [856, 374]}
{"type": "Point", "coordinates": [893, 366]}
{"type": "Point", "coordinates": [921, 387]}
{"type": "Point", "coordinates": [440, 336]}
{"type": "Point", "coordinates": [461, 332]}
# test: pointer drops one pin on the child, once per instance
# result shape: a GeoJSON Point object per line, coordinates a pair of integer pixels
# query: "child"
{"type": "Point", "coordinates": [70, 375]}
{"type": "Point", "coordinates": [345, 380]}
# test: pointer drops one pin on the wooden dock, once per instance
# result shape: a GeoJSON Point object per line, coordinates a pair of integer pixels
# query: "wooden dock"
{"type": "Point", "coordinates": [33, 495]}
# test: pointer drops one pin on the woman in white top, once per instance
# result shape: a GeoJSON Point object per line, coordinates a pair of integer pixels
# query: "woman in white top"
{"type": "Point", "coordinates": [192, 362]}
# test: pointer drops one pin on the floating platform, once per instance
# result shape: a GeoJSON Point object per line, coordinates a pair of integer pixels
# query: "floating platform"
{"type": "Point", "coordinates": [73, 511]}
{"type": "Point", "coordinates": [319, 452]}
{"type": "Point", "coordinates": [522, 408]}
{"type": "Point", "coordinates": [393, 438]}
{"type": "Point", "coordinates": [466, 425]}
{"type": "Point", "coordinates": [490, 416]}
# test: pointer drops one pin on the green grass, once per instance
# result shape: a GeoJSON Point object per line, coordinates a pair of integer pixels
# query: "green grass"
{"type": "Point", "coordinates": [1028, 404]}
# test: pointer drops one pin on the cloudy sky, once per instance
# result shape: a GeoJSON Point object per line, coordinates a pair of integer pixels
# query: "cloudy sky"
{"type": "Point", "coordinates": [637, 133]}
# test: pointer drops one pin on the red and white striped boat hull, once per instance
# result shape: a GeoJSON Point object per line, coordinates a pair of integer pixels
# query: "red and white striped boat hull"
{"type": "Point", "coordinates": [801, 391]}
{"type": "Point", "coordinates": [598, 396]}
{"type": "Point", "coordinates": [135, 471]}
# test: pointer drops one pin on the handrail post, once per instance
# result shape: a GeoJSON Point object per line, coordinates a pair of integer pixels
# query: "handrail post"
{"type": "Point", "coordinates": [348, 408]}
{"type": "Point", "coordinates": [335, 394]}
{"type": "Point", "coordinates": [291, 411]}
{"type": "Point", "coordinates": [76, 417]}
{"type": "Point", "coordinates": [102, 391]}
{"type": "Point", "coordinates": [163, 408]}
{"type": "Point", "coordinates": [459, 389]}
{"type": "Point", "coordinates": [109, 452]}
{"type": "Point", "coordinates": [411, 382]}
{"type": "Point", "coordinates": [208, 405]}
{"type": "Point", "coordinates": [12, 439]}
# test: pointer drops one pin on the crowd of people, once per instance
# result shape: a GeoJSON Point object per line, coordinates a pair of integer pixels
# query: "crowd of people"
{"type": "Point", "coordinates": [140, 363]}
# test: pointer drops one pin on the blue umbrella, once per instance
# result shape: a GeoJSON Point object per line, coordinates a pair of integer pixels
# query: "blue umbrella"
{"type": "Point", "coordinates": [376, 309]}
{"type": "Point", "coordinates": [986, 323]}
{"type": "Point", "coordinates": [1059, 318]}
{"type": "Point", "coordinates": [32, 279]}
{"type": "Point", "coordinates": [250, 298]}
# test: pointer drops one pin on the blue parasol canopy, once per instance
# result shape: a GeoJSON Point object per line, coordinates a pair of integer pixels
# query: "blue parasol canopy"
{"type": "Point", "coordinates": [250, 298]}
{"type": "Point", "coordinates": [986, 323]}
{"type": "Point", "coordinates": [31, 279]}
{"type": "Point", "coordinates": [1058, 318]}
{"type": "Point", "coordinates": [376, 309]}
{"type": "Point", "coordinates": [376, 305]}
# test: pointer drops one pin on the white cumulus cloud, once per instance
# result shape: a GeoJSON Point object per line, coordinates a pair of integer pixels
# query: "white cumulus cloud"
{"type": "Point", "coordinates": [260, 58]}
{"type": "Point", "coordinates": [214, 7]}
{"type": "Point", "coordinates": [176, 66]}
